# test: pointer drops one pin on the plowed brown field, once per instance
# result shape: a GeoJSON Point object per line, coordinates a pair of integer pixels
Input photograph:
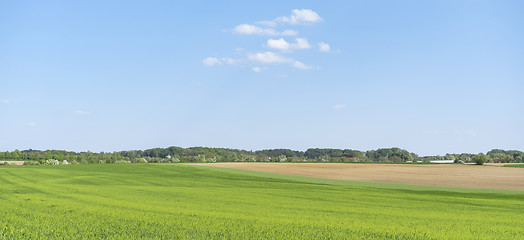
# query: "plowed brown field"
{"type": "Point", "coordinates": [446, 175]}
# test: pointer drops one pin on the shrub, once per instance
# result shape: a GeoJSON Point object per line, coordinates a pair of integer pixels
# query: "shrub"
{"type": "Point", "coordinates": [282, 158]}
{"type": "Point", "coordinates": [31, 163]}
{"type": "Point", "coordinates": [480, 159]}
{"type": "Point", "coordinates": [51, 162]}
{"type": "Point", "coordinates": [122, 161]}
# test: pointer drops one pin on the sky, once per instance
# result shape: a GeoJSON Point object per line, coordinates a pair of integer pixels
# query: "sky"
{"type": "Point", "coordinates": [431, 77]}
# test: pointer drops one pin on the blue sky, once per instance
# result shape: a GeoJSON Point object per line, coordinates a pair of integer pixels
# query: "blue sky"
{"type": "Point", "coordinates": [432, 77]}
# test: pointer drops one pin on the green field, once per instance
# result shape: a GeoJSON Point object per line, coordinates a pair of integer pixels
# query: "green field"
{"type": "Point", "coordinates": [130, 201]}
{"type": "Point", "coordinates": [515, 165]}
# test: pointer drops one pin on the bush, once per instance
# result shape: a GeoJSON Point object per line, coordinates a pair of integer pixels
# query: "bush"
{"type": "Point", "coordinates": [480, 159]}
{"type": "Point", "coordinates": [51, 162]}
{"type": "Point", "coordinates": [282, 158]}
{"type": "Point", "coordinates": [122, 161]}
{"type": "Point", "coordinates": [31, 163]}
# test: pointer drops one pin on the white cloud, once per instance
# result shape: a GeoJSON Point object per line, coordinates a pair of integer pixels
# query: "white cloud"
{"type": "Point", "coordinates": [271, 57]}
{"type": "Point", "coordinates": [301, 65]}
{"type": "Point", "coordinates": [303, 16]}
{"type": "Point", "coordinates": [31, 124]}
{"type": "Point", "coordinates": [80, 112]}
{"type": "Point", "coordinates": [252, 29]}
{"type": "Point", "coordinates": [283, 45]}
{"type": "Point", "coordinates": [5, 101]}
{"type": "Point", "coordinates": [339, 106]}
{"type": "Point", "coordinates": [249, 29]}
{"type": "Point", "coordinates": [211, 61]}
{"type": "Point", "coordinates": [323, 47]}
{"type": "Point", "coordinates": [301, 43]}
{"type": "Point", "coordinates": [279, 44]}
{"type": "Point", "coordinates": [267, 57]}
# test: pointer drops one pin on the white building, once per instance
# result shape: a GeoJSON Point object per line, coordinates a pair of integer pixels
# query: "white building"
{"type": "Point", "coordinates": [442, 161]}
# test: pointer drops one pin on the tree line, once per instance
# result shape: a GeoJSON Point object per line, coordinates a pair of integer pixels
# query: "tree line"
{"type": "Point", "coordinates": [206, 154]}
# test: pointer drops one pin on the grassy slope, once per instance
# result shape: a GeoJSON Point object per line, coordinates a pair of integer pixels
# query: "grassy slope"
{"type": "Point", "coordinates": [177, 201]}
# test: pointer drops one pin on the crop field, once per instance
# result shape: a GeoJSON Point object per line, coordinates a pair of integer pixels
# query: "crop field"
{"type": "Point", "coordinates": [444, 175]}
{"type": "Point", "coordinates": [175, 201]}
{"type": "Point", "coordinates": [515, 165]}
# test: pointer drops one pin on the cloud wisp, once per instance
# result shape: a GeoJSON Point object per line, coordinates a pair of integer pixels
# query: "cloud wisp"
{"type": "Point", "coordinates": [303, 16]}
{"type": "Point", "coordinates": [279, 44]}
{"type": "Point", "coordinates": [267, 57]}
{"type": "Point", "coordinates": [282, 45]}
{"type": "Point", "coordinates": [80, 112]}
{"type": "Point", "coordinates": [323, 47]}
{"type": "Point", "coordinates": [274, 28]}
{"type": "Point", "coordinates": [211, 61]}
{"type": "Point", "coordinates": [271, 57]}
{"type": "Point", "coordinates": [248, 29]}
{"type": "Point", "coordinates": [300, 65]}
{"type": "Point", "coordinates": [297, 17]}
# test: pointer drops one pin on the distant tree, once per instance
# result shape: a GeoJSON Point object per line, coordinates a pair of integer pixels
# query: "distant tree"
{"type": "Point", "coordinates": [205, 154]}
{"type": "Point", "coordinates": [480, 159]}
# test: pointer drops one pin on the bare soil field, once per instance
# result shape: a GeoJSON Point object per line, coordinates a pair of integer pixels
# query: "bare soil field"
{"type": "Point", "coordinates": [446, 175]}
{"type": "Point", "coordinates": [501, 164]}
{"type": "Point", "coordinates": [13, 162]}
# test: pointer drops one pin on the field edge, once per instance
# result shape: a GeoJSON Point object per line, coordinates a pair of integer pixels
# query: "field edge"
{"type": "Point", "coordinates": [382, 185]}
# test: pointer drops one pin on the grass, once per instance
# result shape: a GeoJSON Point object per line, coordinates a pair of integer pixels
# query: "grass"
{"type": "Point", "coordinates": [514, 165]}
{"type": "Point", "coordinates": [129, 201]}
